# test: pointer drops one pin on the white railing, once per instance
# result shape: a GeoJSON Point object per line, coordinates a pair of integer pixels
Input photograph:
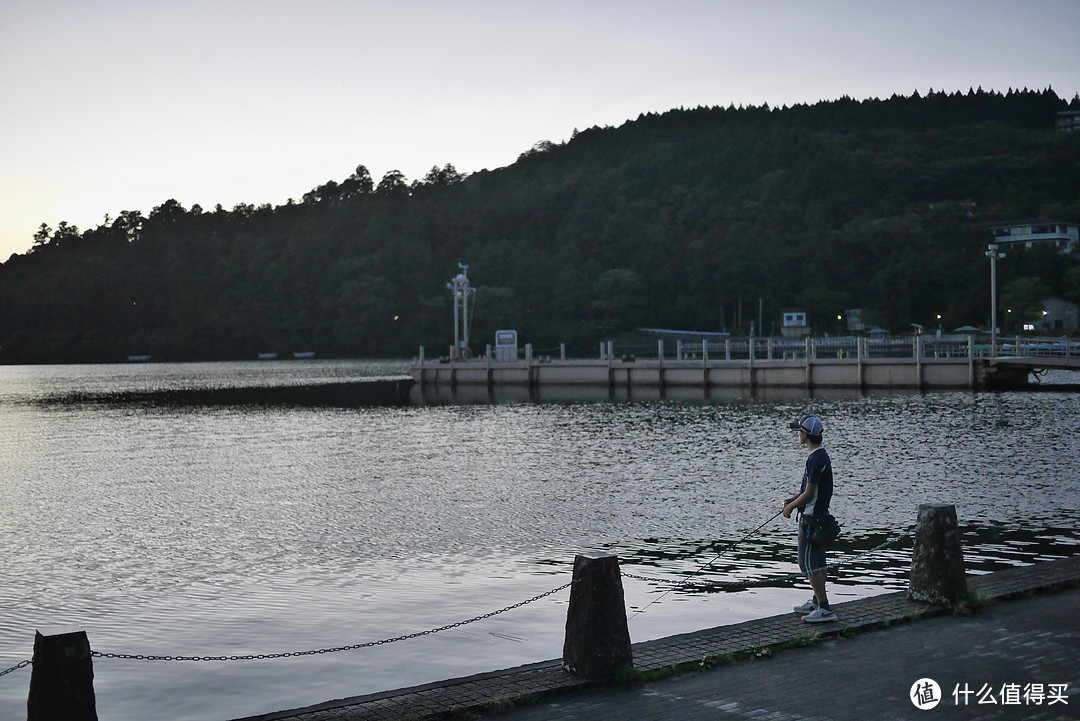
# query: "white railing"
{"type": "Point", "coordinates": [1038, 348]}
{"type": "Point", "coordinates": [852, 347]}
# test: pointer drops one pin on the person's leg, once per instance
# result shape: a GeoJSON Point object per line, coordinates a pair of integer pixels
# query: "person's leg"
{"type": "Point", "coordinates": [823, 613]}
{"type": "Point", "coordinates": [817, 582]}
{"type": "Point", "coordinates": [815, 571]}
{"type": "Point", "coordinates": [805, 561]}
{"type": "Point", "coordinates": [811, 556]}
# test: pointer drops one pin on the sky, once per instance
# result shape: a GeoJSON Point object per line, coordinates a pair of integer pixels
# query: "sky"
{"type": "Point", "coordinates": [112, 105]}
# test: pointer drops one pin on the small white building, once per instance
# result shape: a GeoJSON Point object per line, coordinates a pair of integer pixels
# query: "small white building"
{"type": "Point", "coordinates": [795, 323]}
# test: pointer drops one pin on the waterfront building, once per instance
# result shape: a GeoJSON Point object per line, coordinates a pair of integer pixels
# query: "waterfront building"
{"type": "Point", "coordinates": [795, 323]}
{"type": "Point", "coordinates": [1064, 236]}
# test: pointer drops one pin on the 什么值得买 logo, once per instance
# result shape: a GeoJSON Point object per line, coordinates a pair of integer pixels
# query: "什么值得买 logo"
{"type": "Point", "coordinates": [925, 694]}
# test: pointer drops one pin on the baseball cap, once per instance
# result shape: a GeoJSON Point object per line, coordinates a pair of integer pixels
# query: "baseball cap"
{"type": "Point", "coordinates": [812, 425]}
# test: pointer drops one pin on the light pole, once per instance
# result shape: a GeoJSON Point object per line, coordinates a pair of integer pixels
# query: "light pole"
{"type": "Point", "coordinates": [993, 254]}
{"type": "Point", "coordinates": [460, 290]}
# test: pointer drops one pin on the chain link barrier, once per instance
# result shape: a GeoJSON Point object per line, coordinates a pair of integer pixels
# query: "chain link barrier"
{"type": "Point", "coordinates": [688, 581]}
{"type": "Point", "coordinates": [16, 667]}
{"type": "Point", "coordinates": [685, 582]}
{"type": "Point", "coordinates": [335, 649]}
{"type": "Point", "coordinates": [740, 585]}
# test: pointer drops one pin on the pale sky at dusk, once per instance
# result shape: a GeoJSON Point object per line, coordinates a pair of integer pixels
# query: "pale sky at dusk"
{"type": "Point", "coordinates": [111, 105]}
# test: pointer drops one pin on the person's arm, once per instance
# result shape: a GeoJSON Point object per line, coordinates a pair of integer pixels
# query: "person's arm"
{"type": "Point", "coordinates": [800, 500]}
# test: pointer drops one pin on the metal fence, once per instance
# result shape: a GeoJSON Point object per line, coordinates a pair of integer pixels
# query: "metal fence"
{"type": "Point", "coordinates": [794, 349]}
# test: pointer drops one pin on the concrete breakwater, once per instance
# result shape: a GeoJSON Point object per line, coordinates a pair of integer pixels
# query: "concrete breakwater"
{"type": "Point", "coordinates": [750, 363]}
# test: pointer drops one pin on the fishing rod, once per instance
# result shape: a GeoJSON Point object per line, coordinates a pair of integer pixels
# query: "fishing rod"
{"type": "Point", "coordinates": [709, 563]}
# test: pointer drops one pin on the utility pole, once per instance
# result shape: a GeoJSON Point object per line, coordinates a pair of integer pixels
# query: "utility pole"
{"type": "Point", "coordinates": [993, 254]}
{"type": "Point", "coordinates": [460, 290]}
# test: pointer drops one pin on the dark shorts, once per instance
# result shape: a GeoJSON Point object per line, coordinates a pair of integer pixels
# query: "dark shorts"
{"type": "Point", "coordinates": [811, 555]}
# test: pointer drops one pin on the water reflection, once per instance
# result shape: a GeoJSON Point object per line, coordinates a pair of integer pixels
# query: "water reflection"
{"type": "Point", "coordinates": [696, 568]}
{"type": "Point", "coordinates": [230, 522]}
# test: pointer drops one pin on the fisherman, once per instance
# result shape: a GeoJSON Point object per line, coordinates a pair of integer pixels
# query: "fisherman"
{"type": "Point", "coordinates": [813, 500]}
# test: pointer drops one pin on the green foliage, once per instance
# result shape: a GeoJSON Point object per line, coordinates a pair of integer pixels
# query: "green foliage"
{"type": "Point", "coordinates": [1071, 286]}
{"type": "Point", "coordinates": [1024, 297]}
{"type": "Point", "coordinates": [682, 220]}
{"type": "Point", "coordinates": [619, 298]}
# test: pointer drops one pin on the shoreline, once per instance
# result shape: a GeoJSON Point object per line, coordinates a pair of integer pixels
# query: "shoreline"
{"type": "Point", "coordinates": [497, 690]}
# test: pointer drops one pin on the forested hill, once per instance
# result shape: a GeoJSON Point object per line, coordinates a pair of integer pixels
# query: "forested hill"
{"type": "Point", "coordinates": [671, 220]}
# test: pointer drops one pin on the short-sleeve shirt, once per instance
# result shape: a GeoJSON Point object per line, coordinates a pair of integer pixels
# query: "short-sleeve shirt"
{"type": "Point", "coordinates": [819, 472]}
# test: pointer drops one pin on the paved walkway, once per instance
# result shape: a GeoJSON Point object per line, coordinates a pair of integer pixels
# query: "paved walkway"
{"type": "Point", "coordinates": [1007, 647]}
{"type": "Point", "coordinates": [993, 655]}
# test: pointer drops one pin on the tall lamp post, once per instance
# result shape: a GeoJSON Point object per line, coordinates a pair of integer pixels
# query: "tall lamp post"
{"type": "Point", "coordinates": [993, 254]}
{"type": "Point", "coordinates": [460, 289]}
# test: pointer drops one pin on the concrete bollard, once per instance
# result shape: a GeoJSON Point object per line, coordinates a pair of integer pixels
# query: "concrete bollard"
{"type": "Point", "coordinates": [937, 561]}
{"type": "Point", "coordinates": [62, 682]}
{"type": "Point", "coordinates": [597, 643]}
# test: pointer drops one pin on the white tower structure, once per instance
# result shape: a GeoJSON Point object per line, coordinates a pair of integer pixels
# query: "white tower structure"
{"type": "Point", "coordinates": [460, 290]}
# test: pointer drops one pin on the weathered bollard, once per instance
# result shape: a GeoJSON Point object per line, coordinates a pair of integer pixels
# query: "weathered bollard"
{"type": "Point", "coordinates": [937, 561]}
{"type": "Point", "coordinates": [597, 643]}
{"type": "Point", "coordinates": [62, 680]}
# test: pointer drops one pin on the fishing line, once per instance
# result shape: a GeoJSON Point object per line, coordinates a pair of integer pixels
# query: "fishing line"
{"type": "Point", "coordinates": [706, 565]}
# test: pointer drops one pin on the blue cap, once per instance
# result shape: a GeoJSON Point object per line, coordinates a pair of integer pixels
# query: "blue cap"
{"type": "Point", "coordinates": [811, 425]}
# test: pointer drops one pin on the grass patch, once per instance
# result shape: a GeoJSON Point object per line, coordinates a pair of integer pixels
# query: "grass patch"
{"type": "Point", "coordinates": [971, 602]}
{"type": "Point", "coordinates": [632, 677]}
{"type": "Point", "coordinates": [501, 702]}
{"type": "Point", "coordinates": [504, 702]}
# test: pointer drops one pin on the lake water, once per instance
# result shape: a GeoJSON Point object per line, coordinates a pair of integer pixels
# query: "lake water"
{"type": "Point", "coordinates": [167, 514]}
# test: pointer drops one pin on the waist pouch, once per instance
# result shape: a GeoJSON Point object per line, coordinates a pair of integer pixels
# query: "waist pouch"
{"type": "Point", "coordinates": [822, 530]}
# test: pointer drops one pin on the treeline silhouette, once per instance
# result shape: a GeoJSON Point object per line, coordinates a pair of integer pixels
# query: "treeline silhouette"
{"type": "Point", "coordinates": [686, 219]}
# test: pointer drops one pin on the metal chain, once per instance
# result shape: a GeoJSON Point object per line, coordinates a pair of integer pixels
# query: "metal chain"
{"type": "Point", "coordinates": [16, 667]}
{"type": "Point", "coordinates": [353, 647]}
{"type": "Point", "coordinates": [369, 644]}
{"type": "Point", "coordinates": [690, 581]}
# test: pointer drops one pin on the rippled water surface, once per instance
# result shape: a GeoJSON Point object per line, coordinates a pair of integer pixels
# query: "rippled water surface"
{"type": "Point", "coordinates": [166, 518]}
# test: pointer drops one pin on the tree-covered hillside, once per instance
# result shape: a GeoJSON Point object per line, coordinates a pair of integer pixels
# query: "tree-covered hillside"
{"type": "Point", "coordinates": [672, 220]}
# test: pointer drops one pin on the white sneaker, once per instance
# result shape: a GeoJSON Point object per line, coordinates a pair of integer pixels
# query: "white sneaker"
{"type": "Point", "coordinates": [820, 615]}
{"type": "Point", "coordinates": [808, 607]}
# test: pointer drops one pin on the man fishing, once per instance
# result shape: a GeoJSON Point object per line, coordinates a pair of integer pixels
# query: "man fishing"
{"type": "Point", "coordinates": [813, 500]}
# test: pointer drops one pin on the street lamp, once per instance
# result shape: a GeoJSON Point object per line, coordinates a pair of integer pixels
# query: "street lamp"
{"type": "Point", "coordinates": [993, 254]}
{"type": "Point", "coordinates": [460, 290]}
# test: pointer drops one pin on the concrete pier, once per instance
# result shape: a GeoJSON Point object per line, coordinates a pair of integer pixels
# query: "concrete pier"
{"type": "Point", "coordinates": [920, 362]}
{"type": "Point", "coordinates": [861, 373]}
